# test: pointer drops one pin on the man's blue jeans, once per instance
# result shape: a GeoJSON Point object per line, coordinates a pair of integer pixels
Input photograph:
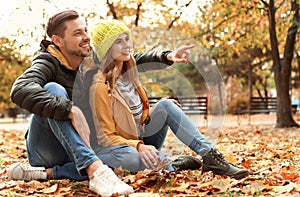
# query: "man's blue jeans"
{"type": "Point", "coordinates": [56, 144]}
{"type": "Point", "coordinates": [165, 115]}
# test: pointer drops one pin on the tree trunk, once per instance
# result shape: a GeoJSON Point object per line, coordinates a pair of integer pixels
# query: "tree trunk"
{"type": "Point", "coordinates": [282, 71]}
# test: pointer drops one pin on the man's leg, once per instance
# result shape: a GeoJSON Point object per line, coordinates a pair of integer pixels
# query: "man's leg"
{"type": "Point", "coordinates": [52, 143]}
{"type": "Point", "coordinates": [57, 145]}
{"type": "Point", "coordinates": [44, 149]}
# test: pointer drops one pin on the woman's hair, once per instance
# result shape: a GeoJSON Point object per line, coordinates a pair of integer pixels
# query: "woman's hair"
{"type": "Point", "coordinates": [56, 24]}
{"type": "Point", "coordinates": [129, 70]}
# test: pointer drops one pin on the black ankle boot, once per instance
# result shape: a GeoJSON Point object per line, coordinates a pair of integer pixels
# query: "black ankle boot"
{"type": "Point", "coordinates": [215, 162]}
{"type": "Point", "coordinates": [186, 162]}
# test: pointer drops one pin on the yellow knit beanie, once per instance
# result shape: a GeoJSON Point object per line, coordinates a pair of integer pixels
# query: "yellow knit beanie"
{"type": "Point", "coordinates": [104, 33]}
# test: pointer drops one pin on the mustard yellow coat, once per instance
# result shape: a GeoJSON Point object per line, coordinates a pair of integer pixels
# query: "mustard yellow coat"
{"type": "Point", "coordinates": [112, 117]}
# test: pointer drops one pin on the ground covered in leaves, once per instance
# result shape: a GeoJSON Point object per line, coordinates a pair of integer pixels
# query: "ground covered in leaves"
{"type": "Point", "coordinates": [271, 155]}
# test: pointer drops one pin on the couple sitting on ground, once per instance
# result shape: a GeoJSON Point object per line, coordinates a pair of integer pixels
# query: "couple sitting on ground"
{"type": "Point", "coordinates": [85, 124]}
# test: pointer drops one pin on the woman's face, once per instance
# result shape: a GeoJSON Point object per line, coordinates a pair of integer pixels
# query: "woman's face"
{"type": "Point", "coordinates": [120, 49]}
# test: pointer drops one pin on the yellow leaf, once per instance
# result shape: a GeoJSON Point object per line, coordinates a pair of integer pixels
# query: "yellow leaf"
{"type": "Point", "coordinates": [284, 189]}
{"type": "Point", "coordinates": [51, 189]}
{"type": "Point", "coordinates": [230, 158]}
{"type": "Point", "coordinates": [221, 184]}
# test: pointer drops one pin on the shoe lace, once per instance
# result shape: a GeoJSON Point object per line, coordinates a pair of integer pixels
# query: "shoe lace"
{"type": "Point", "coordinates": [32, 173]}
{"type": "Point", "coordinates": [219, 158]}
{"type": "Point", "coordinates": [109, 176]}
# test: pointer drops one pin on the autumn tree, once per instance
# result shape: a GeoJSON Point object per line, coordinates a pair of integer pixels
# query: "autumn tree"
{"type": "Point", "coordinates": [244, 46]}
{"type": "Point", "coordinates": [282, 67]}
{"type": "Point", "coordinates": [12, 64]}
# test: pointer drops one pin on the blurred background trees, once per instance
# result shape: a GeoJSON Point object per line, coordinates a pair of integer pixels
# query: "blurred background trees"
{"type": "Point", "coordinates": [12, 64]}
{"type": "Point", "coordinates": [233, 35]}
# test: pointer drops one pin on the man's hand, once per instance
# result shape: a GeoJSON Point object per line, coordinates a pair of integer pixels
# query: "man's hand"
{"type": "Point", "coordinates": [80, 124]}
{"type": "Point", "coordinates": [149, 156]}
{"type": "Point", "coordinates": [181, 54]}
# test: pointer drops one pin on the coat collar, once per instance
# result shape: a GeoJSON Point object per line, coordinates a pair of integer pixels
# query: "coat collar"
{"type": "Point", "coordinates": [55, 52]}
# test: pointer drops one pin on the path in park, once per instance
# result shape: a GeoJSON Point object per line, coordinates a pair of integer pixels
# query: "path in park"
{"type": "Point", "coordinates": [9, 124]}
{"type": "Point", "coordinates": [231, 121]}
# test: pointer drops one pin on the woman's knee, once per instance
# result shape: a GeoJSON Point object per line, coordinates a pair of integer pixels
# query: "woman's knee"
{"type": "Point", "coordinates": [165, 103]}
{"type": "Point", "coordinates": [130, 159]}
{"type": "Point", "coordinates": [56, 89]}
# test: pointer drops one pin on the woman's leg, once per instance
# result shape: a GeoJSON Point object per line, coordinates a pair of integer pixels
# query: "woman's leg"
{"type": "Point", "coordinates": [168, 113]}
{"type": "Point", "coordinates": [126, 157]}
{"type": "Point", "coordinates": [123, 156]}
{"type": "Point", "coordinates": [165, 114]}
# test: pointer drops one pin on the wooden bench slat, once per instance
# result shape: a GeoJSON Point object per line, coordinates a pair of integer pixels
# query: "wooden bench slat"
{"type": "Point", "coordinates": [261, 105]}
{"type": "Point", "coordinates": [190, 105]}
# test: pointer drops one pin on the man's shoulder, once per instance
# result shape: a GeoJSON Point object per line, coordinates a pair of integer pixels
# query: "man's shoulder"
{"type": "Point", "coordinates": [44, 55]}
{"type": "Point", "coordinates": [46, 58]}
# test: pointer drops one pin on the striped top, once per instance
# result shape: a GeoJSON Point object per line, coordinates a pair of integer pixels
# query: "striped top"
{"type": "Point", "coordinates": [132, 98]}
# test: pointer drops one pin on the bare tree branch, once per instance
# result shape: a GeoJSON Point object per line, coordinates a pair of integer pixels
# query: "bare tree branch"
{"type": "Point", "coordinates": [280, 4]}
{"type": "Point", "coordinates": [138, 10]}
{"type": "Point", "coordinates": [179, 11]}
{"type": "Point", "coordinates": [265, 3]}
{"type": "Point", "coordinates": [112, 8]}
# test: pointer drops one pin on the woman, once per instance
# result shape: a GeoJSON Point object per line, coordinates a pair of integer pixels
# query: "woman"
{"type": "Point", "coordinates": [125, 127]}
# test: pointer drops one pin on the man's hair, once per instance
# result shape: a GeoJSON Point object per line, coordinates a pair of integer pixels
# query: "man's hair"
{"type": "Point", "coordinates": [56, 24]}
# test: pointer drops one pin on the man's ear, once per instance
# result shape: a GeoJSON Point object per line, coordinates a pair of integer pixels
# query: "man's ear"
{"type": "Point", "coordinates": [57, 40]}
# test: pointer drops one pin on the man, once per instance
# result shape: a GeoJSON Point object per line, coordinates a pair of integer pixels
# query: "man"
{"type": "Point", "coordinates": [58, 136]}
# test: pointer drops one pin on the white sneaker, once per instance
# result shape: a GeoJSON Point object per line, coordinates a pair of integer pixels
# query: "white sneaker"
{"type": "Point", "coordinates": [18, 171]}
{"type": "Point", "coordinates": [106, 183]}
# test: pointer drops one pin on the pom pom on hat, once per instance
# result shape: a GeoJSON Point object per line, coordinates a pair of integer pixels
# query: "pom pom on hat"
{"type": "Point", "coordinates": [104, 33]}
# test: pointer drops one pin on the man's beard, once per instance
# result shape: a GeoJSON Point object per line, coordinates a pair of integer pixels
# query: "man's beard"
{"type": "Point", "coordinates": [78, 53]}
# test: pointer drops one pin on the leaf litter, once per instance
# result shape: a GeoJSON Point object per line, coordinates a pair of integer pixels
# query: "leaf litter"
{"type": "Point", "coordinates": [272, 156]}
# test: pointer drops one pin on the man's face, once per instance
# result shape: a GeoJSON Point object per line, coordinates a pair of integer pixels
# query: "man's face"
{"type": "Point", "coordinates": [76, 41]}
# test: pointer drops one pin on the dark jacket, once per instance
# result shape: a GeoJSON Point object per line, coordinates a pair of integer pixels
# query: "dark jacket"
{"type": "Point", "coordinates": [51, 66]}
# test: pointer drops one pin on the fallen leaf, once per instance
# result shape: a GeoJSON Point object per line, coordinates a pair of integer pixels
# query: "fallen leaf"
{"type": "Point", "coordinates": [284, 189]}
{"type": "Point", "coordinates": [51, 189]}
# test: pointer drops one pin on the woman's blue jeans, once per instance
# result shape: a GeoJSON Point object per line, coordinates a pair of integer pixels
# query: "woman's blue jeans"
{"type": "Point", "coordinates": [165, 115]}
{"type": "Point", "coordinates": [55, 144]}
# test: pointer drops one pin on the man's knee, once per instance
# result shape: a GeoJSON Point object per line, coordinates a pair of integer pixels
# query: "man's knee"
{"type": "Point", "coordinates": [56, 89]}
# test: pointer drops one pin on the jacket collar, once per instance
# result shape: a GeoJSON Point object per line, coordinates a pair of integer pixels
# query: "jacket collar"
{"type": "Point", "coordinates": [54, 51]}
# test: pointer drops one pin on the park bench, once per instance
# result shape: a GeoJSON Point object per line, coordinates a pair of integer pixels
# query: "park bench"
{"type": "Point", "coordinates": [191, 105]}
{"type": "Point", "coordinates": [262, 105]}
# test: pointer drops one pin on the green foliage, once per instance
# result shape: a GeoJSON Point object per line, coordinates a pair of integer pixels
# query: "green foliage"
{"type": "Point", "coordinates": [12, 64]}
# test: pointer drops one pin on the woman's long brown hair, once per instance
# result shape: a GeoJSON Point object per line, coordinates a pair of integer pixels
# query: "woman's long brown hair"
{"type": "Point", "coordinates": [129, 70]}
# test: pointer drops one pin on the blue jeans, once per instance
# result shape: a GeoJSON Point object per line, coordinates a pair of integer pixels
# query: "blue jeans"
{"type": "Point", "coordinates": [165, 115]}
{"type": "Point", "coordinates": [55, 144]}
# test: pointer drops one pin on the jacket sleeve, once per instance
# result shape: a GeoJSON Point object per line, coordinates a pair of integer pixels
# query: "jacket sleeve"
{"type": "Point", "coordinates": [152, 60]}
{"type": "Point", "coordinates": [28, 93]}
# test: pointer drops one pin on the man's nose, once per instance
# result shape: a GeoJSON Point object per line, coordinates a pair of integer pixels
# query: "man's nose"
{"type": "Point", "coordinates": [87, 37]}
